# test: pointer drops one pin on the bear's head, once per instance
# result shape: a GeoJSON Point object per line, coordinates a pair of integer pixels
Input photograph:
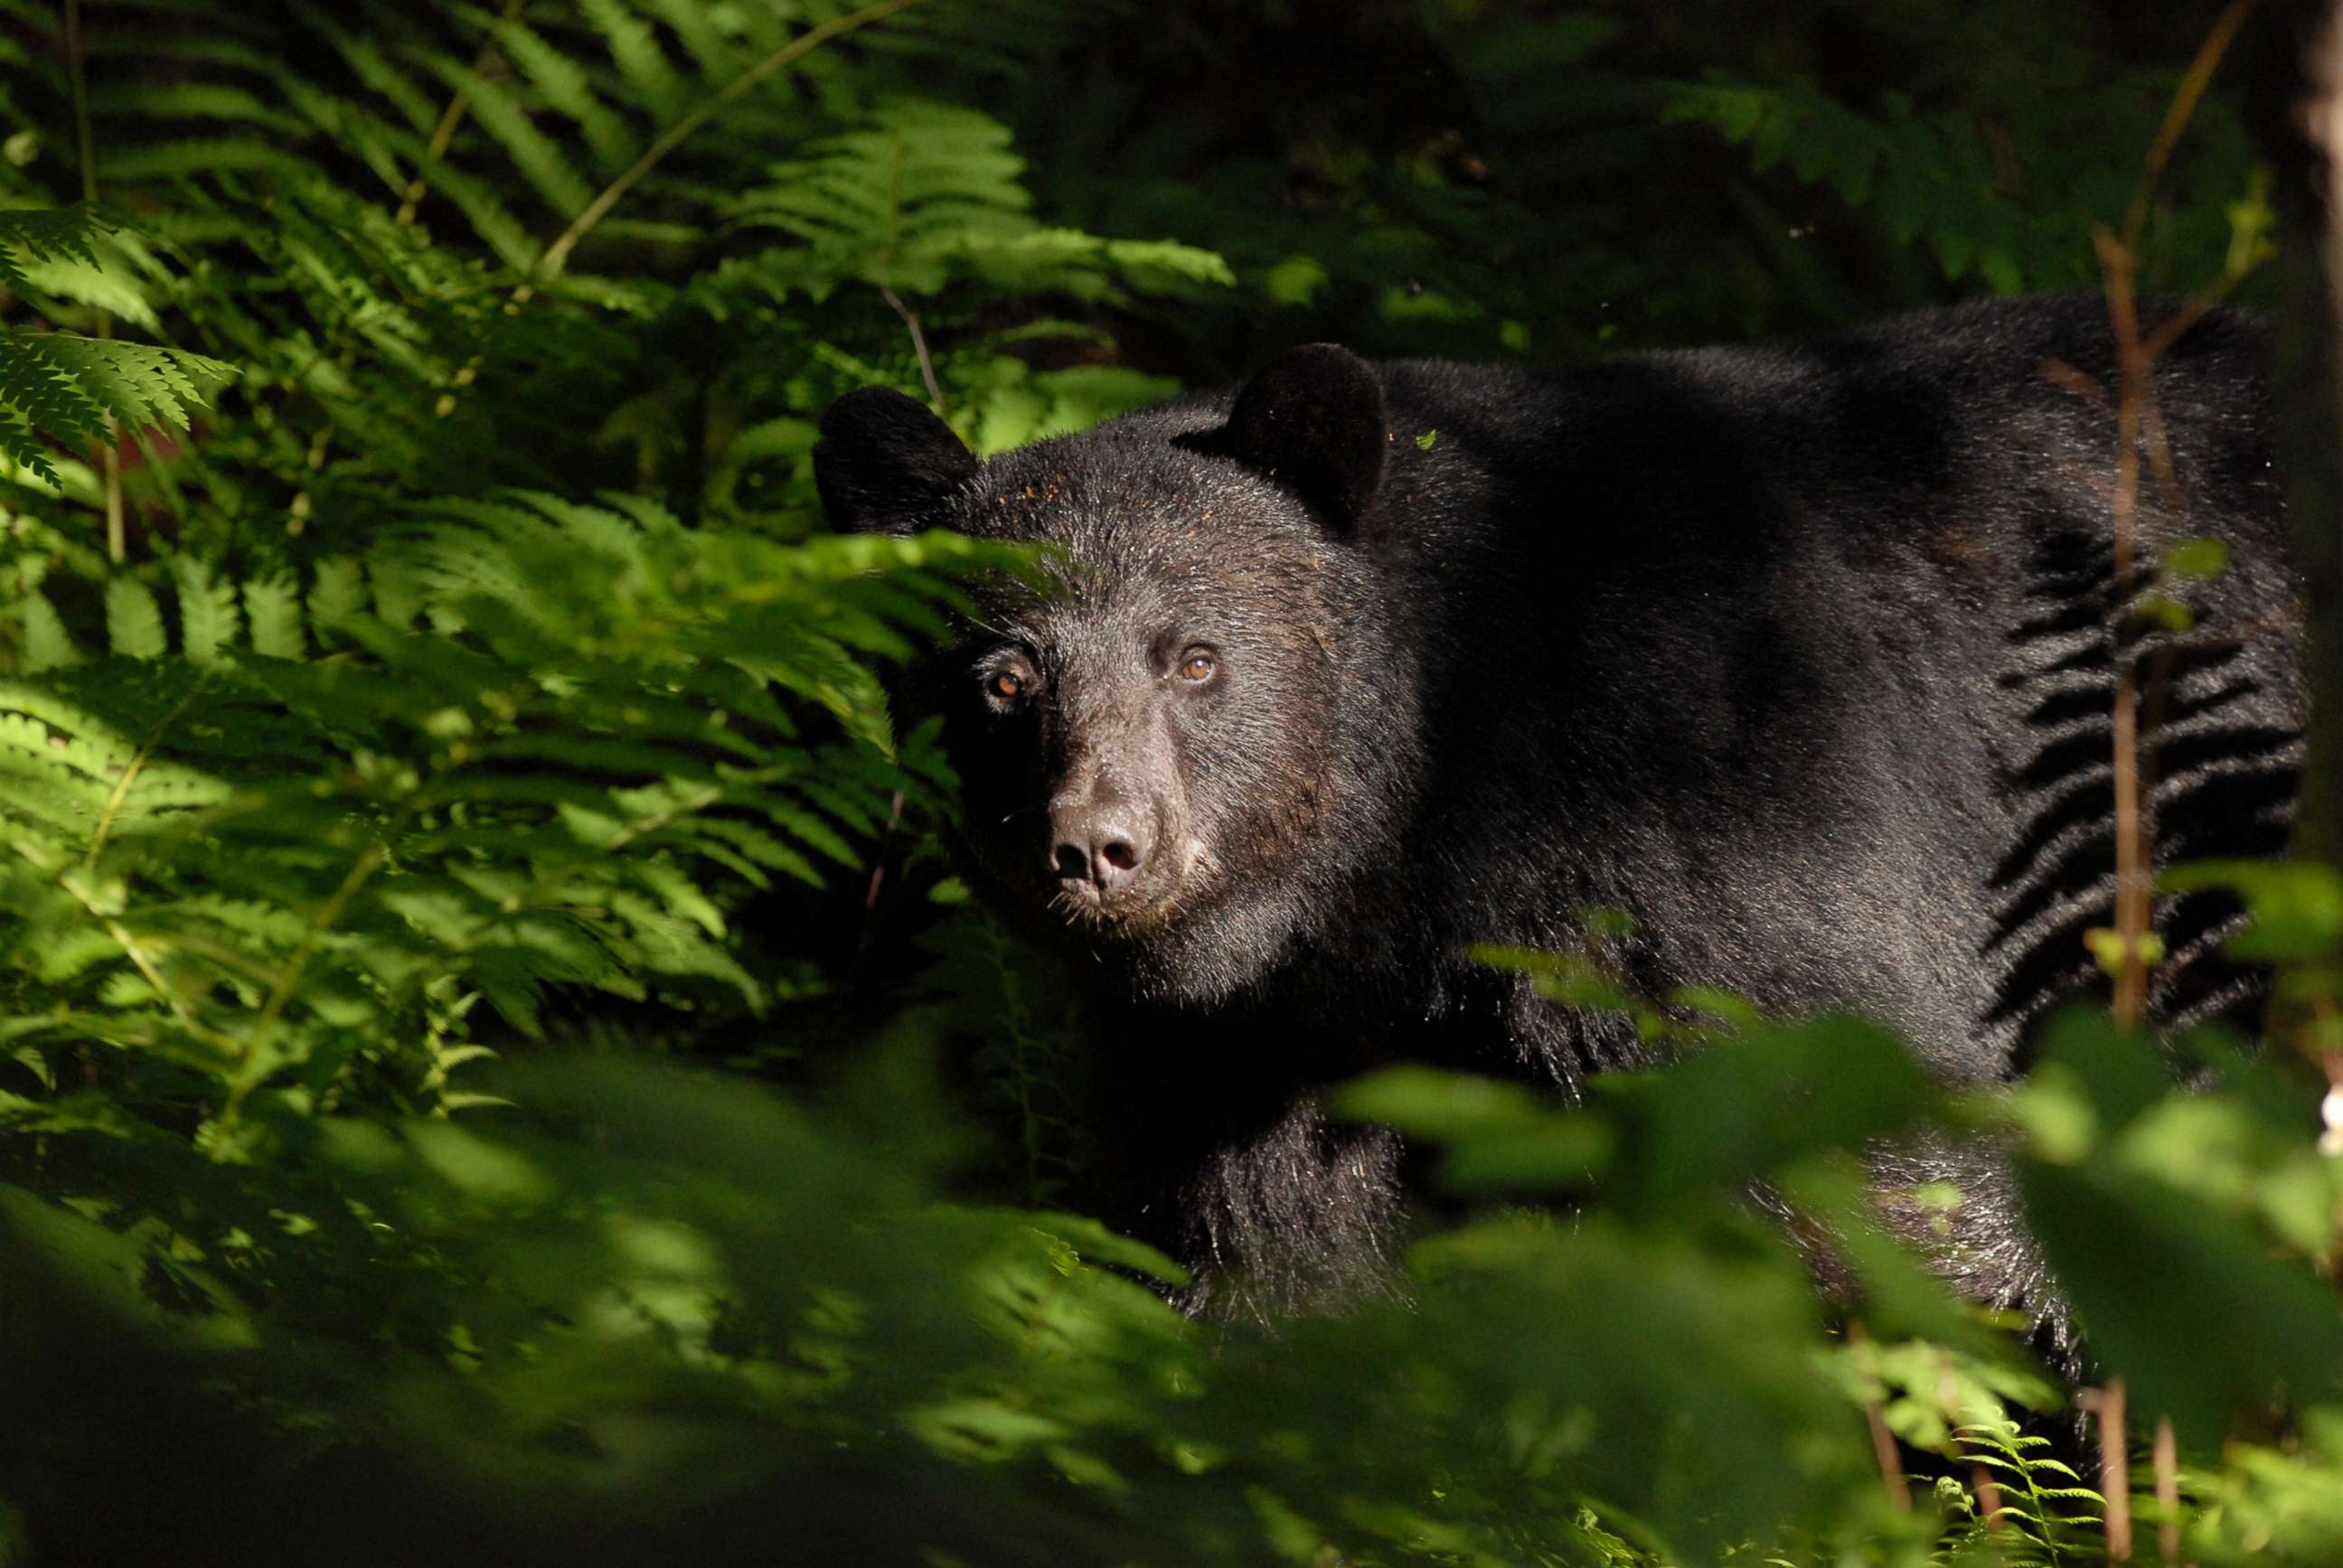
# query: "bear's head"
{"type": "Point", "coordinates": [1185, 745]}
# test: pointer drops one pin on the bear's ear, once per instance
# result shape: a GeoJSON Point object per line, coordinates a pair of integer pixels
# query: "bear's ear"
{"type": "Point", "coordinates": [884, 463]}
{"type": "Point", "coordinates": [1314, 419]}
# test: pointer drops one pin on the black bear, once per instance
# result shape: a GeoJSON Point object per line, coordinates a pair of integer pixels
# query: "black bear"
{"type": "Point", "coordinates": [1798, 654]}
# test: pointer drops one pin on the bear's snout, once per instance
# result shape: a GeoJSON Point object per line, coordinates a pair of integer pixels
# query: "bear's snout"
{"type": "Point", "coordinates": [1101, 846]}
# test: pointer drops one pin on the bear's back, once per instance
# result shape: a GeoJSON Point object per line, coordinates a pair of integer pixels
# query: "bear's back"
{"type": "Point", "coordinates": [1804, 655]}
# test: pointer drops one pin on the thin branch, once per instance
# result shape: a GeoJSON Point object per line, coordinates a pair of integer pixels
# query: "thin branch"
{"type": "Point", "coordinates": [2177, 116]}
{"type": "Point", "coordinates": [556, 255]}
{"type": "Point", "coordinates": [1883, 1441]}
{"type": "Point", "coordinates": [1988, 1496]}
{"type": "Point", "coordinates": [154, 976]}
{"type": "Point", "coordinates": [918, 347]}
{"type": "Point", "coordinates": [130, 772]}
{"type": "Point", "coordinates": [1891, 1464]}
{"type": "Point", "coordinates": [2166, 1455]}
{"type": "Point", "coordinates": [2134, 876]}
{"type": "Point", "coordinates": [118, 547]}
{"type": "Point", "coordinates": [281, 992]}
{"type": "Point", "coordinates": [2139, 420]}
{"type": "Point", "coordinates": [444, 133]}
{"type": "Point", "coordinates": [2115, 1466]}
{"type": "Point", "coordinates": [869, 929]}
{"type": "Point", "coordinates": [146, 965]}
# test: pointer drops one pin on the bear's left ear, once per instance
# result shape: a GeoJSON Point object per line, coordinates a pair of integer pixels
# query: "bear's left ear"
{"type": "Point", "coordinates": [1314, 418]}
{"type": "Point", "coordinates": [885, 464]}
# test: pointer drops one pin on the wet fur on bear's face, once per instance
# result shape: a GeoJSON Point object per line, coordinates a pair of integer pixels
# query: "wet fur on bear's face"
{"type": "Point", "coordinates": [1204, 682]}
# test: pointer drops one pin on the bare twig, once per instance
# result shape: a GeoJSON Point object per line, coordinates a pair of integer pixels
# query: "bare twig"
{"type": "Point", "coordinates": [280, 993]}
{"type": "Point", "coordinates": [118, 547]}
{"type": "Point", "coordinates": [2182, 109]}
{"type": "Point", "coordinates": [878, 871]}
{"type": "Point", "coordinates": [2330, 1062]}
{"type": "Point", "coordinates": [1891, 1463]}
{"type": "Point", "coordinates": [2132, 831]}
{"type": "Point", "coordinates": [2167, 1490]}
{"type": "Point", "coordinates": [918, 347]}
{"type": "Point", "coordinates": [556, 255]}
{"type": "Point", "coordinates": [2139, 425]}
{"type": "Point", "coordinates": [1988, 1496]}
{"type": "Point", "coordinates": [2115, 1467]}
{"type": "Point", "coordinates": [868, 930]}
{"type": "Point", "coordinates": [121, 790]}
{"type": "Point", "coordinates": [2066, 378]}
{"type": "Point", "coordinates": [444, 133]}
{"type": "Point", "coordinates": [1883, 1441]}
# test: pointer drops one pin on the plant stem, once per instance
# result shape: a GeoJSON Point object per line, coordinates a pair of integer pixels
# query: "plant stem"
{"type": "Point", "coordinates": [918, 347]}
{"type": "Point", "coordinates": [1883, 1442]}
{"type": "Point", "coordinates": [110, 461]}
{"type": "Point", "coordinates": [556, 255]}
{"type": "Point", "coordinates": [2167, 1490]}
{"type": "Point", "coordinates": [130, 772]}
{"type": "Point", "coordinates": [2176, 115]}
{"type": "Point", "coordinates": [1988, 1496]}
{"type": "Point", "coordinates": [2138, 419]}
{"type": "Point", "coordinates": [444, 133]}
{"type": "Point", "coordinates": [2132, 831]}
{"type": "Point", "coordinates": [280, 993]}
{"type": "Point", "coordinates": [2306, 146]}
{"type": "Point", "coordinates": [2115, 1466]}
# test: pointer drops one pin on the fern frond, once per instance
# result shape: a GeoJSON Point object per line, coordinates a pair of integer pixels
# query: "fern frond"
{"type": "Point", "coordinates": [716, 55]}
{"type": "Point", "coordinates": [929, 195]}
{"type": "Point", "coordinates": [273, 608]}
{"type": "Point", "coordinates": [47, 399]}
{"type": "Point", "coordinates": [538, 157]}
{"type": "Point", "coordinates": [133, 622]}
{"type": "Point", "coordinates": [567, 89]}
{"type": "Point", "coordinates": [338, 595]}
{"type": "Point", "coordinates": [108, 288]}
{"type": "Point", "coordinates": [195, 156]}
{"type": "Point", "coordinates": [47, 644]}
{"type": "Point", "coordinates": [138, 384]}
{"type": "Point", "coordinates": [2042, 1519]}
{"type": "Point", "coordinates": [62, 386]}
{"type": "Point", "coordinates": [480, 202]}
{"type": "Point", "coordinates": [924, 175]}
{"type": "Point", "coordinates": [643, 65]}
{"type": "Point", "coordinates": [373, 69]}
{"type": "Point", "coordinates": [49, 234]}
{"type": "Point", "coordinates": [208, 614]}
{"type": "Point", "coordinates": [197, 100]}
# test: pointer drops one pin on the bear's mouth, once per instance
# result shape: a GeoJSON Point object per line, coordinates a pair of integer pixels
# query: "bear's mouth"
{"type": "Point", "coordinates": [1146, 904]}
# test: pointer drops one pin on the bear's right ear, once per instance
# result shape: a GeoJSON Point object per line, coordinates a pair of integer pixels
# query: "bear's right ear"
{"type": "Point", "coordinates": [1314, 418]}
{"type": "Point", "coordinates": [885, 464]}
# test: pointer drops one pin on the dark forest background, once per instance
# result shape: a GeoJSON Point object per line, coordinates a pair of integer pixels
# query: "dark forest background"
{"type": "Point", "coordinates": [494, 1063]}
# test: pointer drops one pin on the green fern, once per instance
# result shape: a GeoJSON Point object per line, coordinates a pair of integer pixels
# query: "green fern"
{"type": "Point", "coordinates": [2045, 1518]}
{"type": "Point", "coordinates": [566, 87]}
{"type": "Point", "coordinates": [51, 234]}
{"type": "Point", "coordinates": [258, 868]}
{"type": "Point", "coordinates": [67, 388]}
{"type": "Point", "coordinates": [63, 387]}
{"type": "Point", "coordinates": [927, 195]}
{"type": "Point", "coordinates": [1951, 181]}
{"type": "Point", "coordinates": [648, 75]}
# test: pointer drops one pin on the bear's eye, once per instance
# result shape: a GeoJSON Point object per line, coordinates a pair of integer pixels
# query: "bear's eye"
{"type": "Point", "coordinates": [1006, 684]}
{"type": "Point", "coordinates": [1198, 665]}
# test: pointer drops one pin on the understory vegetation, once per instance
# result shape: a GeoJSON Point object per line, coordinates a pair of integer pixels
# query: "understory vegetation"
{"type": "Point", "coordinates": [494, 1065]}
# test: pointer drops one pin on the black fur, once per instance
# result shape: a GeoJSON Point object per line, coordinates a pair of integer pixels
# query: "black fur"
{"type": "Point", "coordinates": [1800, 655]}
{"type": "Point", "coordinates": [884, 461]}
{"type": "Point", "coordinates": [1314, 419]}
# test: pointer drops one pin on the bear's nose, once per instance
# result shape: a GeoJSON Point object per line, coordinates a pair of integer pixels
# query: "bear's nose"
{"type": "Point", "coordinates": [1102, 844]}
